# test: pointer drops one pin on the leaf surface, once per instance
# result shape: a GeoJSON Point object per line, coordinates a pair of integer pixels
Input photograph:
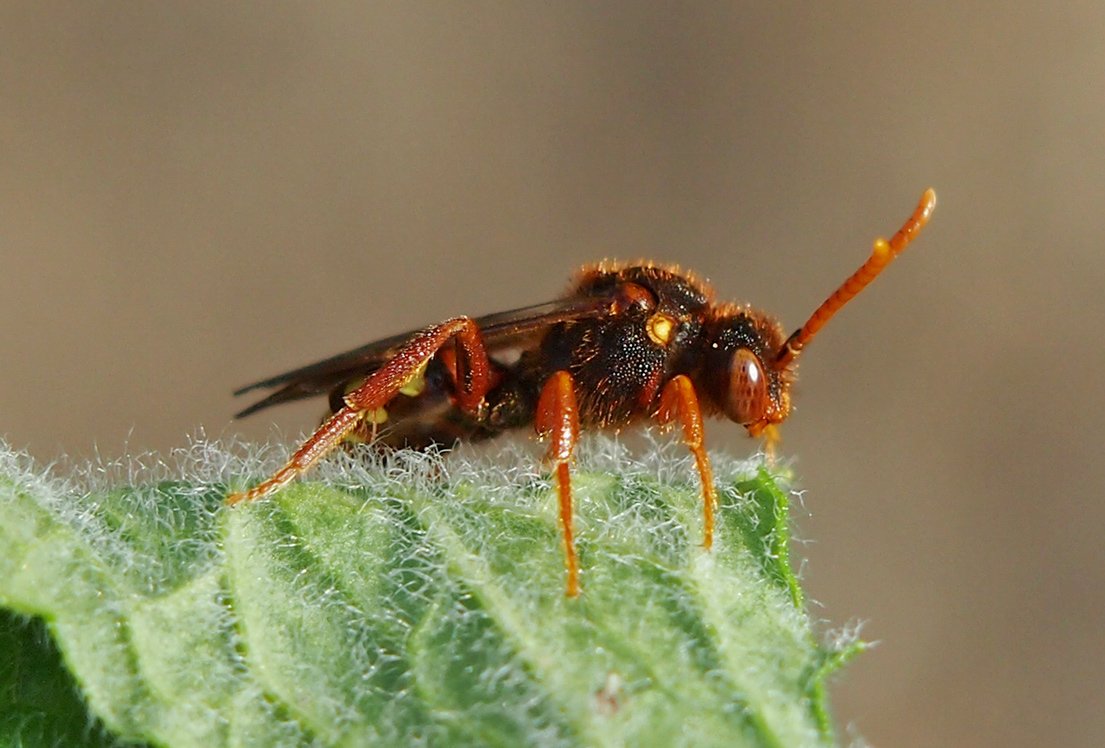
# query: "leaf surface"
{"type": "Point", "coordinates": [418, 601]}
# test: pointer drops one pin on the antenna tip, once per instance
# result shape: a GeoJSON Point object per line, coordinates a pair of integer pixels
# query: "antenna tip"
{"type": "Point", "coordinates": [928, 203]}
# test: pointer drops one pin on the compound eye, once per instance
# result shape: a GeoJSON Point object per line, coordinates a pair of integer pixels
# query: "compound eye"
{"type": "Point", "coordinates": [748, 394]}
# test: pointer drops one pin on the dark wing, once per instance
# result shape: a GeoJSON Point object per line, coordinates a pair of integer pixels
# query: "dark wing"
{"type": "Point", "coordinates": [500, 331]}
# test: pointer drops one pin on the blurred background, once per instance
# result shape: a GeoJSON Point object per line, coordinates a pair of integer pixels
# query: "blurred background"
{"type": "Point", "coordinates": [193, 196]}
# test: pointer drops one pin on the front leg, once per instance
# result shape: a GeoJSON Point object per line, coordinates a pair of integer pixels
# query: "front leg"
{"type": "Point", "coordinates": [472, 382]}
{"type": "Point", "coordinates": [678, 400]}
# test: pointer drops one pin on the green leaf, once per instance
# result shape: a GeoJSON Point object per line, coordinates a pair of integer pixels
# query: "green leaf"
{"type": "Point", "coordinates": [41, 703]}
{"type": "Point", "coordinates": [415, 600]}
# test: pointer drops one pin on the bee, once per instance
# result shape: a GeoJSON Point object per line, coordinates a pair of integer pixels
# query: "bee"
{"type": "Point", "coordinates": [626, 343]}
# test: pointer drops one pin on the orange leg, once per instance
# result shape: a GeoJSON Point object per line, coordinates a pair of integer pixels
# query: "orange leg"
{"type": "Point", "coordinates": [472, 382]}
{"type": "Point", "coordinates": [678, 400]}
{"type": "Point", "coordinates": [558, 418]}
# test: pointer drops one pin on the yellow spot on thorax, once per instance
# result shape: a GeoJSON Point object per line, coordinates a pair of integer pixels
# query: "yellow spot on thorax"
{"type": "Point", "coordinates": [660, 328]}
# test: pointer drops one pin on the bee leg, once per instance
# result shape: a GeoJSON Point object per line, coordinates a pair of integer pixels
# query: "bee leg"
{"type": "Point", "coordinates": [678, 400]}
{"type": "Point", "coordinates": [367, 400]}
{"type": "Point", "coordinates": [557, 417]}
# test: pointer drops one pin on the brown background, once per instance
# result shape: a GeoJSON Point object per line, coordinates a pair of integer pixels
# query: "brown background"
{"type": "Point", "coordinates": [195, 195]}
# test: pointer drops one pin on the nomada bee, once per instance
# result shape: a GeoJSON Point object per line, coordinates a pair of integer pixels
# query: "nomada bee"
{"type": "Point", "coordinates": [625, 343]}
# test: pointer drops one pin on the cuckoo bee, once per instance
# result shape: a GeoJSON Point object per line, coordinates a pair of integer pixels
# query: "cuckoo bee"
{"type": "Point", "coordinates": [626, 343]}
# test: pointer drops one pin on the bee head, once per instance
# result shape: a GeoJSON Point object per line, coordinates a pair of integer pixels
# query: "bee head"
{"type": "Point", "coordinates": [740, 375]}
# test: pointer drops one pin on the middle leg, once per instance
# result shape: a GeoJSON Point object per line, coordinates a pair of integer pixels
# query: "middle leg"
{"type": "Point", "coordinates": [557, 418]}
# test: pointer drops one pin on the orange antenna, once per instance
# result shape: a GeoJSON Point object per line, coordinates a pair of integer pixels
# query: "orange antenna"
{"type": "Point", "coordinates": [881, 255]}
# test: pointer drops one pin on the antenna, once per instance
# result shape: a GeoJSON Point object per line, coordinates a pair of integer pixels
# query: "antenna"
{"type": "Point", "coordinates": [881, 254]}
